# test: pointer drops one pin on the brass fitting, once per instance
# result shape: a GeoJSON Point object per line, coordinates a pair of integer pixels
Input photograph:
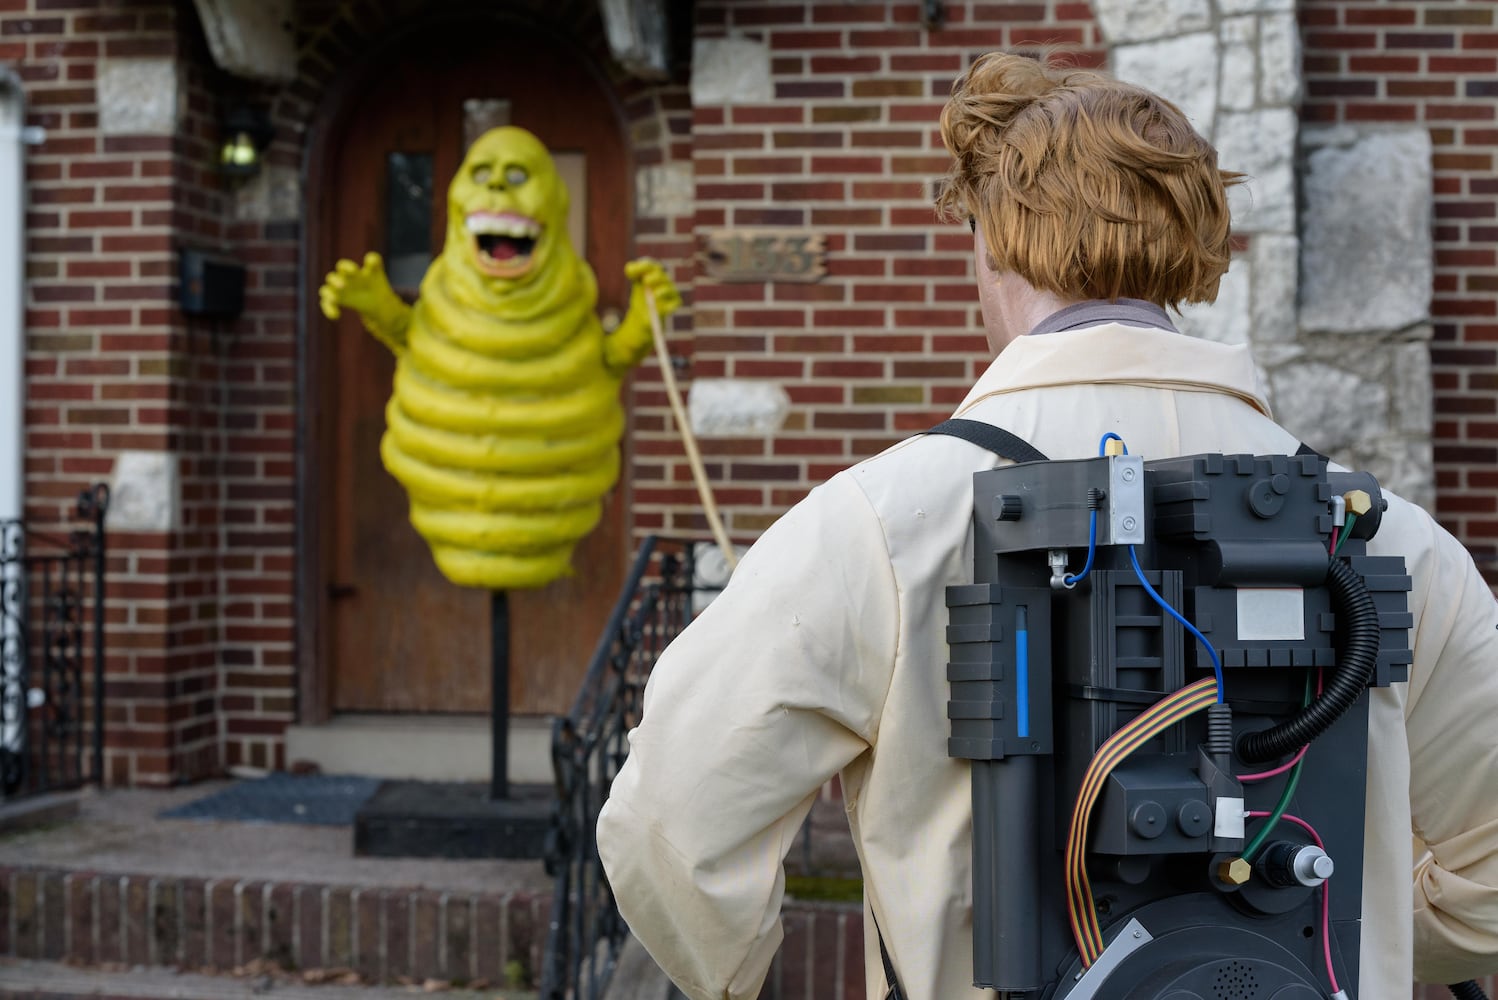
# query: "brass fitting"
{"type": "Point", "coordinates": [1235, 872]}
{"type": "Point", "coordinates": [1358, 502]}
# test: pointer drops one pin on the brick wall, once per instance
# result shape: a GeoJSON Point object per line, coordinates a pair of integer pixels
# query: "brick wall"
{"type": "Point", "coordinates": [889, 342]}
{"type": "Point", "coordinates": [112, 365]}
{"type": "Point", "coordinates": [1436, 65]}
{"type": "Point", "coordinates": [660, 134]}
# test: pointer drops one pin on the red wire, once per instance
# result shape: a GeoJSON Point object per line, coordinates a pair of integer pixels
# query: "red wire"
{"type": "Point", "coordinates": [1293, 760]}
{"type": "Point", "coordinates": [1326, 895]}
{"type": "Point", "coordinates": [1279, 770]}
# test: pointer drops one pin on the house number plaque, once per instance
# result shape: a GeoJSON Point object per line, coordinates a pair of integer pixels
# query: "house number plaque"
{"type": "Point", "coordinates": [765, 255]}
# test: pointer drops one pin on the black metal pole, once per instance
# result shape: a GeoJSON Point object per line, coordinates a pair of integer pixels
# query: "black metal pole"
{"type": "Point", "coordinates": [100, 508]}
{"type": "Point", "coordinates": [499, 709]}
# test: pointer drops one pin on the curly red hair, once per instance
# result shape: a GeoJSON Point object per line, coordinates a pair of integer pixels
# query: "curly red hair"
{"type": "Point", "coordinates": [1085, 186]}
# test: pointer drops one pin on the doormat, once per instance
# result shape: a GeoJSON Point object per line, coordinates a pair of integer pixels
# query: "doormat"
{"type": "Point", "coordinates": [319, 799]}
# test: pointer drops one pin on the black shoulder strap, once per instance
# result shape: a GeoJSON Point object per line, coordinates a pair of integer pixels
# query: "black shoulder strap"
{"type": "Point", "coordinates": [893, 985]}
{"type": "Point", "coordinates": [995, 439]}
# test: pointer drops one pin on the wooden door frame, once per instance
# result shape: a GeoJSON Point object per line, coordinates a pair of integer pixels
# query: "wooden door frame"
{"type": "Point", "coordinates": [312, 656]}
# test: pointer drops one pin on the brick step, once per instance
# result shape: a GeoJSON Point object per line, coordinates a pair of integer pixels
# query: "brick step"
{"type": "Point", "coordinates": [383, 934]}
{"type": "Point", "coordinates": [27, 979]}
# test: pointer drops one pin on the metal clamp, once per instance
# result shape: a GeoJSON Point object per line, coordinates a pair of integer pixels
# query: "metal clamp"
{"type": "Point", "coordinates": [1129, 940]}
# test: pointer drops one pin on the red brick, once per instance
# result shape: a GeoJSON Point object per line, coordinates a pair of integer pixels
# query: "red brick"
{"type": "Point", "coordinates": [1461, 64]}
{"type": "Point", "coordinates": [767, 114]}
{"type": "Point", "coordinates": [1423, 40]}
{"type": "Point", "coordinates": [81, 890]}
{"type": "Point", "coordinates": [338, 916]}
{"type": "Point", "coordinates": [459, 947]}
{"type": "Point", "coordinates": [486, 933]}
{"type": "Point", "coordinates": [1382, 64]}
{"type": "Point", "coordinates": [368, 905]}
{"type": "Point", "coordinates": [884, 39]}
{"type": "Point", "coordinates": [768, 164]}
{"type": "Point", "coordinates": [1342, 40]}
{"type": "Point", "coordinates": [61, 293]}
{"type": "Point", "coordinates": [99, 268]}
{"type": "Point", "coordinates": [1421, 88]}
{"type": "Point", "coordinates": [782, 39]}
{"type": "Point", "coordinates": [108, 899]}
{"type": "Point", "coordinates": [426, 960]}
{"type": "Point", "coordinates": [308, 921]}
{"type": "Point", "coordinates": [846, 369]}
{"type": "Point", "coordinates": [847, 165]}
{"type": "Point", "coordinates": [730, 192]}
{"type": "Point", "coordinates": [1378, 15]}
{"type": "Point", "coordinates": [137, 144]}
{"type": "Point", "coordinates": [846, 65]}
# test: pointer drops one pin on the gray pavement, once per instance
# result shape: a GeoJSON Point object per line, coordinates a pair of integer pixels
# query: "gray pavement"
{"type": "Point", "coordinates": [119, 831]}
{"type": "Point", "coordinates": [20, 978]}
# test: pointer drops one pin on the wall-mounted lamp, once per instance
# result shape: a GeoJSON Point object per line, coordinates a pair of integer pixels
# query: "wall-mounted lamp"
{"type": "Point", "coordinates": [247, 131]}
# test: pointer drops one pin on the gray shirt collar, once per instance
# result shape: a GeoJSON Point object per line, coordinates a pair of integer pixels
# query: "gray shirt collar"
{"type": "Point", "coordinates": [1129, 312]}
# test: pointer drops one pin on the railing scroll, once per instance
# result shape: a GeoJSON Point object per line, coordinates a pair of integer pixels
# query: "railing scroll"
{"type": "Point", "coordinates": [52, 653]}
{"type": "Point", "coordinates": [588, 748]}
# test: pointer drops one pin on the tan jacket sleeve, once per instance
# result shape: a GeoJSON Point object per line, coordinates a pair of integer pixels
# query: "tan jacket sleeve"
{"type": "Point", "coordinates": [1452, 725]}
{"type": "Point", "coordinates": [769, 693]}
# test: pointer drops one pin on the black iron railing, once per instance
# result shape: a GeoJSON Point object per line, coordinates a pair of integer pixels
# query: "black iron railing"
{"type": "Point", "coordinates": [52, 653]}
{"type": "Point", "coordinates": [587, 749]}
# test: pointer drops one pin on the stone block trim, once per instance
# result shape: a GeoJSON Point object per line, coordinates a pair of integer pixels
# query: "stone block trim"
{"type": "Point", "coordinates": [1432, 66]}
{"type": "Point", "coordinates": [382, 933]}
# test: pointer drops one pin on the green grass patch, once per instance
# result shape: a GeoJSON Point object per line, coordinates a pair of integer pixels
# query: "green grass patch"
{"type": "Point", "coordinates": [824, 890]}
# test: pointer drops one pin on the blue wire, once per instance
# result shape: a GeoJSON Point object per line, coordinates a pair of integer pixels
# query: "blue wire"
{"type": "Point", "coordinates": [1072, 581]}
{"type": "Point", "coordinates": [1216, 663]}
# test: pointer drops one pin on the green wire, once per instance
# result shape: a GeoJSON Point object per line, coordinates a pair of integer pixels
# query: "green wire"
{"type": "Point", "coordinates": [1272, 820]}
{"type": "Point", "coordinates": [1346, 533]}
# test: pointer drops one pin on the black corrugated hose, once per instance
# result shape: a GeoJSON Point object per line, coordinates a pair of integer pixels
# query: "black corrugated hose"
{"type": "Point", "coordinates": [1359, 657]}
{"type": "Point", "coordinates": [1467, 991]}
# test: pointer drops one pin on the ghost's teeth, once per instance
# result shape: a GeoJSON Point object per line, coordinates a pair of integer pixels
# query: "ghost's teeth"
{"type": "Point", "coordinates": [502, 225]}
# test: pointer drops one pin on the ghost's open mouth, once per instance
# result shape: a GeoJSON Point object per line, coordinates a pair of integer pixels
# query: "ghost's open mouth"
{"type": "Point", "coordinates": [503, 242]}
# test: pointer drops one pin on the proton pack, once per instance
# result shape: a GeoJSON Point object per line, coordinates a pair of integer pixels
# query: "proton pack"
{"type": "Point", "coordinates": [1160, 674]}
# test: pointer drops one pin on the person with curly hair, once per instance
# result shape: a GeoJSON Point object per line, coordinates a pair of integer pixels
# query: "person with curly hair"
{"type": "Point", "coordinates": [1096, 209]}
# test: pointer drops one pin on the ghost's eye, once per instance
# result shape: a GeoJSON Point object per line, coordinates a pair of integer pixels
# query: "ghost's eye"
{"type": "Point", "coordinates": [481, 174]}
{"type": "Point", "coordinates": [515, 176]}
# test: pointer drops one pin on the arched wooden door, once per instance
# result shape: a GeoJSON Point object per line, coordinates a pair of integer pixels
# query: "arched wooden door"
{"type": "Point", "coordinates": [397, 636]}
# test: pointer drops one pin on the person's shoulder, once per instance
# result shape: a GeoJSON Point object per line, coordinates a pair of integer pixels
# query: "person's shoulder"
{"type": "Point", "coordinates": [1409, 530]}
{"type": "Point", "coordinates": [925, 472]}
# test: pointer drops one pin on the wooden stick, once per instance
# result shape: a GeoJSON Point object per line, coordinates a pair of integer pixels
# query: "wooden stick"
{"type": "Point", "coordinates": [694, 458]}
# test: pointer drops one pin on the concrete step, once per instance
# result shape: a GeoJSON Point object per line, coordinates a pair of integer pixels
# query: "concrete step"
{"type": "Point", "coordinates": [20, 978]}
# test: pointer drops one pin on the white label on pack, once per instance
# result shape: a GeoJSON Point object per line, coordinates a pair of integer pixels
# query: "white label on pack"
{"type": "Point", "coordinates": [1275, 613]}
{"type": "Point", "coordinates": [1230, 818]}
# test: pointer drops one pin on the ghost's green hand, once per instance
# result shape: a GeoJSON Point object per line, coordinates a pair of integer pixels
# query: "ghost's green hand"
{"type": "Point", "coordinates": [631, 341]}
{"type": "Point", "coordinates": [365, 289]}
